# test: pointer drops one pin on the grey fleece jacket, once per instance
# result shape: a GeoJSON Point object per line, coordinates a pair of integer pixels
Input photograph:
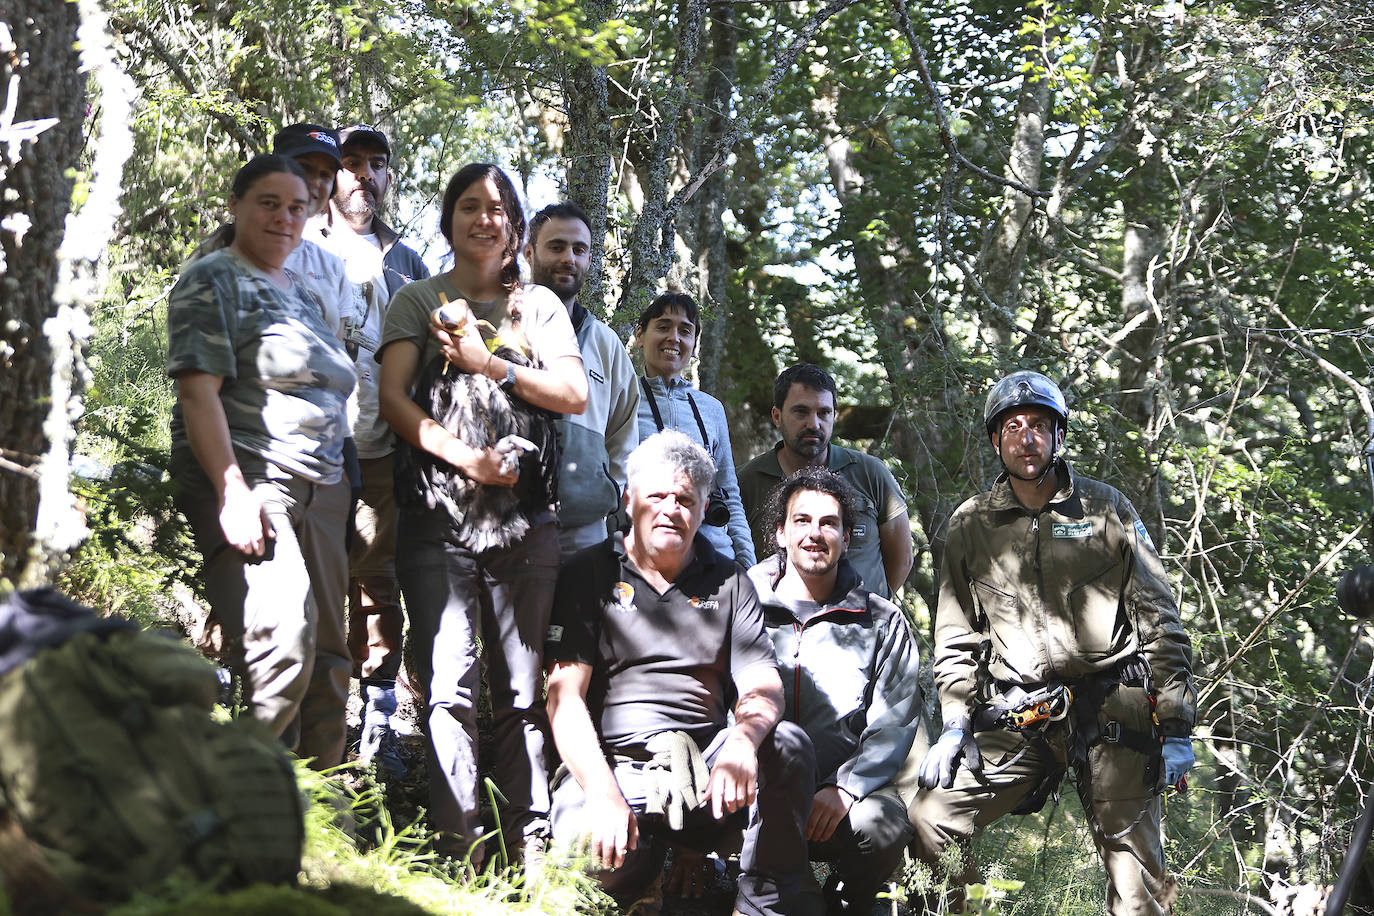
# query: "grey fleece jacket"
{"type": "Point", "coordinates": [595, 444]}
{"type": "Point", "coordinates": [849, 678]}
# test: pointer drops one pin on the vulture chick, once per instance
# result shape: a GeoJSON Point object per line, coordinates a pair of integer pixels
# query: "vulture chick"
{"type": "Point", "coordinates": [478, 411]}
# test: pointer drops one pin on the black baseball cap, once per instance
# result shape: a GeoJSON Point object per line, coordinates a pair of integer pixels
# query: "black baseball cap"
{"type": "Point", "coordinates": [299, 139]}
{"type": "Point", "coordinates": [359, 133]}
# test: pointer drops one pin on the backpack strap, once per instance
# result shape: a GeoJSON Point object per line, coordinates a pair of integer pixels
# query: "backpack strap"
{"type": "Point", "coordinates": [658, 417]}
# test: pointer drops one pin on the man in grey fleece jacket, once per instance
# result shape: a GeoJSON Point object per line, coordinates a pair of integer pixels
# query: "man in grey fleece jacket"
{"type": "Point", "coordinates": [849, 672]}
{"type": "Point", "coordinates": [593, 445]}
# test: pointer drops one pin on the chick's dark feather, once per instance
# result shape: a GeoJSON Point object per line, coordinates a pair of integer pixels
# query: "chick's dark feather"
{"type": "Point", "coordinates": [480, 413]}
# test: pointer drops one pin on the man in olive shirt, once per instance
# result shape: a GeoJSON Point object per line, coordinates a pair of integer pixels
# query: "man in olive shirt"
{"type": "Point", "coordinates": [1058, 646]}
{"type": "Point", "coordinates": [804, 412]}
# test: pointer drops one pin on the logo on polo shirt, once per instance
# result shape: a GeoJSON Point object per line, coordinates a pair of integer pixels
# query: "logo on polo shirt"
{"type": "Point", "coordinates": [708, 604]}
{"type": "Point", "coordinates": [624, 597]}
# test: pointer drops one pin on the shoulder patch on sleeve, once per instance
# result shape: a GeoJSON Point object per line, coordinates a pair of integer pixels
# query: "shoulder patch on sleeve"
{"type": "Point", "coordinates": [555, 633]}
{"type": "Point", "coordinates": [1144, 535]}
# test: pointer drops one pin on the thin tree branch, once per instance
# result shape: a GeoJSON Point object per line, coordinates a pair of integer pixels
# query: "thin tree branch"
{"type": "Point", "coordinates": [946, 135]}
{"type": "Point", "coordinates": [164, 54]}
{"type": "Point", "coordinates": [755, 106]}
{"type": "Point", "coordinates": [1279, 608]}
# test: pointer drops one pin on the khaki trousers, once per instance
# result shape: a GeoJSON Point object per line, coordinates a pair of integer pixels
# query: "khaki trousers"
{"type": "Point", "coordinates": [375, 620]}
{"type": "Point", "coordinates": [282, 614]}
{"type": "Point", "coordinates": [1123, 812]}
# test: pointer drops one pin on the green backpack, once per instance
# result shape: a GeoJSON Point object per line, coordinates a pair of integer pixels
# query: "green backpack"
{"type": "Point", "coordinates": [111, 762]}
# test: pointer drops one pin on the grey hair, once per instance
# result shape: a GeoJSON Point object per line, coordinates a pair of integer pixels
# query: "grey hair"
{"type": "Point", "coordinates": [674, 450]}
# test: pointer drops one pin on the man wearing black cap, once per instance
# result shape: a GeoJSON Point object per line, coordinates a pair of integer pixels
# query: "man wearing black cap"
{"type": "Point", "coordinates": [379, 264]}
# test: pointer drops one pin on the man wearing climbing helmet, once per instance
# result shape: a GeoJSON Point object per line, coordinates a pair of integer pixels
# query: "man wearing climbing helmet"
{"type": "Point", "coordinates": [1052, 588]}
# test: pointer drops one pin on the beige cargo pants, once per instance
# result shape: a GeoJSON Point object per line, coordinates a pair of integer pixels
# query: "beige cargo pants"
{"type": "Point", "coordinates": [1123, 812]}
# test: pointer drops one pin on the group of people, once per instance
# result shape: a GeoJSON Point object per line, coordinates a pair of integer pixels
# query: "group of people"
{"type": "Point", "coordinates": [350, 431]}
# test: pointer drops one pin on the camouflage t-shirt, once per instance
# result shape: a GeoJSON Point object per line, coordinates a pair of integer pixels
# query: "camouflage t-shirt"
{"type": "Point", "coordinates": [286, 376]}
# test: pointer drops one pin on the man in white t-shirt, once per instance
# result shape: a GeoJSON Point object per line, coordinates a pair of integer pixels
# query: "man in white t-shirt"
{"type": "Point", "coordinates": [378, 264]}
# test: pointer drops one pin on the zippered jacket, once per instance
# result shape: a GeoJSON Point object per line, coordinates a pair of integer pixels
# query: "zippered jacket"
{"type": "Point", "coordinates": [1054, 596]}
{"type": "Point", "coordinates": [595, 444]}
{"type": "Point", "coordinates": [849, 678]}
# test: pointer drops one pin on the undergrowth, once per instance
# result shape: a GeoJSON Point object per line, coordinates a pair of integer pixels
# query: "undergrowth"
{"type": "Point", "coordinates": [356, 862]}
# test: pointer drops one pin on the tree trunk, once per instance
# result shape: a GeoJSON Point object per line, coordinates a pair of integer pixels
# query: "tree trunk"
{"type": "Point", "coordinates": [710, 235]}
{"type": "Point", "coordinates": [652, 240]}
{"type": "Point", "coordinates": [1141, 371]}
{"type": "Point", "coordinates": [1005, 254]}
{"type": "Point", "coordinates": [40, 66]}
{"type": "Point", "coordinates": [912, 338]}
{"type": "Point", "coordinates": [587, 156]}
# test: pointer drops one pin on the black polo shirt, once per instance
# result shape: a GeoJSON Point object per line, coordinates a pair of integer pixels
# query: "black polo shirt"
{"type": "Point", "coordinates": [659, 662]}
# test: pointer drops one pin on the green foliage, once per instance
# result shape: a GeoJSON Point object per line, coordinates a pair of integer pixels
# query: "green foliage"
{"type": "Point", "coordinates": [139, 550]}
{"type": "Point", "coordinates": [1233, 136]}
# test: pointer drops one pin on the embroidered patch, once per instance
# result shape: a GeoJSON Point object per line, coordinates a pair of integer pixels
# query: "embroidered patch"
{"type": "Point", "coordinates": [860, 531]}
{"type": "Point", "coordinates": [709, 604]}
{"type": "Point", "coordinates": [596, 376]}
{"type": "Point", "coordinates": [1144, 535]}
{"type": "Point", "coordinates": [555, 633]}
{"type": "Point", "coordinates": [624, 597]}
{"type": "Point", "coordinates": [1074, 530]}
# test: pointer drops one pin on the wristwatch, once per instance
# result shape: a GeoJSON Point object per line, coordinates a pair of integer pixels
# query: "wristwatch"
{"type": "Point", "coordinates": [509, 381]}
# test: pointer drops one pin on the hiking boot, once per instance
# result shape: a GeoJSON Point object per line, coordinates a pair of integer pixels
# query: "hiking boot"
{"type": "Point", "coordinates": [532, 856]}
{"type": "Point", "coordinates": [378, 741]}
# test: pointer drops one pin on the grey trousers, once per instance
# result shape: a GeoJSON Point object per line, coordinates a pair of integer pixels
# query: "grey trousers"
{"type": "Point", "coordinates": [282, 614]}
{"type": "Point", "coordinates": [1123, 811]}
{"type": "Point", "coordinates": [503, 598]}
{"type": "Point", "coordinates": [774, 879]}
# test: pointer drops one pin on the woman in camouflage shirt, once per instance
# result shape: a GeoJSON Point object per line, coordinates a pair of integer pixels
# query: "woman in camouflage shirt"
{"type": "Point", "coordinates": [257, 447]}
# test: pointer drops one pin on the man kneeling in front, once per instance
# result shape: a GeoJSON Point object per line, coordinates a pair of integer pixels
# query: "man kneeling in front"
{"type": "Point", "coordinates": [653, 633]}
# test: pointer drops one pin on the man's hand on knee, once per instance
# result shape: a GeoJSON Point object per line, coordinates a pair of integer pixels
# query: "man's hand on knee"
{"type": "Point", "coordinates": [734, 776]}
{"type": "Point", "coordinates": [687, 877]}
{"type": "Point", "coordinates": [612, 831]}
{"type": "Point", "coordinates": [829, 807]}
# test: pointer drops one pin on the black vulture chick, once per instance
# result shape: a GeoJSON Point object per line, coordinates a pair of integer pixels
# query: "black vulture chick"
{"type": "Point", "coordinates": [480, 413]}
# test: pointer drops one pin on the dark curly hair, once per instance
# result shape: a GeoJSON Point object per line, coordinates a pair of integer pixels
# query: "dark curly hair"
{"type": "Point", "coordinates": [671, 300]}
{"type": "Point", "coordinates": [820, 480]}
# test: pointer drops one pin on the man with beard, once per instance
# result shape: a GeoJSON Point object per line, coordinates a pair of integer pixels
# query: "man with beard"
{"type": "Point", "coordinates": [594, 445]}
{"type": "Point", "coordinates": [804, 413]}
{"type": "Point", "coordinates": [1057, 645]}
{"type": "Point", "coordinates": [378, 264]}
{"type": "Point", "coordinates": [849, 671]}
{"type": "Point", "coordinates": [664, 700]}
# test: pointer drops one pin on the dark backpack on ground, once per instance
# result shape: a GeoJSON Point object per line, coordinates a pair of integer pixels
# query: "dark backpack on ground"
{"type": "Point", "coordinates": [112, 764]}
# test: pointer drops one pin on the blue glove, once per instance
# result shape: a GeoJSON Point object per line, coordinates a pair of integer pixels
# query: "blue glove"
{"type": "Point", "coordinates": [1178, 759]}
{"type": "Point", "coordinates": [942, 760]}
